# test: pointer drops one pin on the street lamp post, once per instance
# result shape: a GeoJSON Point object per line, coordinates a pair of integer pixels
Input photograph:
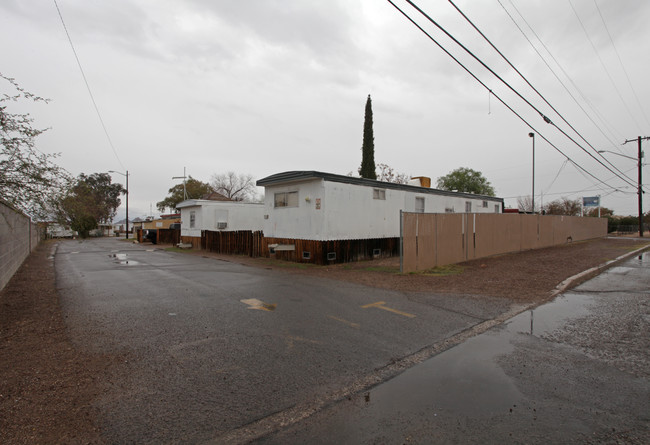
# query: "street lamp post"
{"type": "Point", "coordinates": [127, 198]}
{"type": "Point", "coordinates": [532, 135]}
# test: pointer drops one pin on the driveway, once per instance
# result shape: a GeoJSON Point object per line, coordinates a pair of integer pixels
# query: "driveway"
{"type": "Point", "coordinates": [211, 346]}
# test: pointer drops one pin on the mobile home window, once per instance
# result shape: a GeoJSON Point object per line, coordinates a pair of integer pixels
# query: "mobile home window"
{"type": "Point", "coordinates": [192, 219]}
{"type": "Point", "coordinates": [485, 204]}
{"type": "Point", "coordinates": [379, 194]}
{"type": "Point", "coordinates": [468, 206]}
{"type": "Point", "coordinates": [419, 205]}
{"type": "Point", "coordinates": [449, 210]}
{"type": "Point", "coordinates": [496, 208]}
{"type": "Point", "coordinates": [286, 199]}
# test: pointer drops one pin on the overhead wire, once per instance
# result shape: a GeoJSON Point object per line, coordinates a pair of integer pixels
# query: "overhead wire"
{"type": "Point", "coordinates": [620, 60]}
{"type": "Point", "coordinates": [602, 119]}
{"type": "Point", "coordinates": [602, 64]}
{"type": "Point", "coordinates": [92, 98]}
{"type": "Point", "coordinates": [530, 85]}
{"type": "Point", "coordinates": [544, 117]}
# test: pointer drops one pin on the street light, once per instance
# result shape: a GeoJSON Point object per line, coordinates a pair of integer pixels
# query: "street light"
{"type": "Point", "coordinates": [640, 187]}
{"type": "Point", "coordinates": [532, 135]}
{"type": "Point", "coordinates": [127, 198]}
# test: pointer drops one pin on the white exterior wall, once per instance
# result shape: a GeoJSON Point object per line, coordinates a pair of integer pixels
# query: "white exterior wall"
{"type": "Point", "coordinates": [348, 211]}
{"type": "Point", "coordinates": [237, 215]}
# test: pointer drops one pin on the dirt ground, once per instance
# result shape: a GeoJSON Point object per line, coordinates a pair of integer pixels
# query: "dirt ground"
{"type": "Point", "coordinates": [47, 387]}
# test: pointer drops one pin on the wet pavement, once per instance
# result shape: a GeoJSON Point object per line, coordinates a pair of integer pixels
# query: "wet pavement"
{"type": "Point", "coordinates": [575, 370]}
{"type": "Point", "coordinates": [207, 347]}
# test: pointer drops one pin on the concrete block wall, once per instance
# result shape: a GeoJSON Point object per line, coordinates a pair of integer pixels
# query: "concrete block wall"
{"type": "Point", "coordinates": [18, 237]}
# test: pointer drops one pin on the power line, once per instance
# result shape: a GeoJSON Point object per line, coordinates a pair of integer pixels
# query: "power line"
{"type": "Point", "coordinates": [636, 96]}
{"type": "Point", "coordinates": [602, 63]}
{"type": "Point", "coordinates": [531, 86]}
{"type": "Point", "coordinates": [544, 117]}
{"type": "Point", "coordinates": [570, 79]}
{"type": "Point", "coordinates": [92, 98]}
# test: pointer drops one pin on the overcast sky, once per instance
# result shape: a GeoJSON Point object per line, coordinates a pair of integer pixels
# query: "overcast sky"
{"type": "Point", "coordinates": [265, 86]}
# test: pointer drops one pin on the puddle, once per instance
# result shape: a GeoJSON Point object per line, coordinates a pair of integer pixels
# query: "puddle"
{"type": "Point", "coordinates": [550, 316]}
{"type": "Point", "coordinates": [467, 379]}
{"type": "Point", "coordinates": [462, 380]}
{"type": "Point", "coordinates": [122, 258]}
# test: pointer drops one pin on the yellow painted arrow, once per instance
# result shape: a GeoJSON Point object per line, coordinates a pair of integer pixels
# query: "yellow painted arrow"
{"type": "Point", "coordinates": [380, 305]}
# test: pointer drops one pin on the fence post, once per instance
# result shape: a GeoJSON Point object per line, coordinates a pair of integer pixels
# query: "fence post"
{"type": "Point", "coordinates": [401, 241]}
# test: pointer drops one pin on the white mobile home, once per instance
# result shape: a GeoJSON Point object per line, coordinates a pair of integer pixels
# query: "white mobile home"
{"type": "Point", "coordinates": [204, 214]}
{"type": "Point", "coordinates": [313, 205]}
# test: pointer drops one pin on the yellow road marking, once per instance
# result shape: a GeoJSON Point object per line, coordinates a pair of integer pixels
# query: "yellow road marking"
{"type": "Point", "coordinates": [380, 305]}
{"type": "Point", "coordinates": [254, 303]}
{"type": "Point", "coordinates": [349, 323]}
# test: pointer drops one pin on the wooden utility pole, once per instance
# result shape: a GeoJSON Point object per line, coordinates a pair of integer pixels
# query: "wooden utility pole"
{"type": "Point", "coordinates": [640, 189]}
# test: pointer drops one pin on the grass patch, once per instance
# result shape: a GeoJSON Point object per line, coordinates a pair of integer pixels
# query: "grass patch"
{"type": "Point", "coordinates": [441, 271]}
{"type": "Point", "coordinates": [176, 249]}
{"type": "Point", "coordinates": [385, 269]}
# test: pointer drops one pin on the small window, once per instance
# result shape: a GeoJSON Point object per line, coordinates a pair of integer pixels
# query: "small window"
{"type": "Point", "coordinates": [496, 208]}
{"type": "Point", "coordinates": [379, 194]}
{"type": "Point", "coordinates": [331, 256]}
{"type": "Point", "coordinates": [306, 255]}
{"type": "Point", "coordinates": [286, 199]}
{"type": "Point", "coordinates": [468, 206]}
{"type": "Point", "coordinates": [485, 204]}
{"type": "Point", "coordinates": [449, 210]}
{"type": "Point", "coordinates": [376, 252]}
{"type": "Point", "coordinates": [192, 219]}
{"type": "Point", "coordinates": [419, 205]}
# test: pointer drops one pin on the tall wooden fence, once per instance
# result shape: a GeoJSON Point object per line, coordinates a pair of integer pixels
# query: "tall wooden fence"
{"type": "Point", "coordinates": [436, 239]}
{"type": "Point", "coordinates": [240, 242]}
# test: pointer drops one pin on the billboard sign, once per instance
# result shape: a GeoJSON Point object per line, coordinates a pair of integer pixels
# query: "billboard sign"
{"type": "Point", "coordinates": [591, 201]}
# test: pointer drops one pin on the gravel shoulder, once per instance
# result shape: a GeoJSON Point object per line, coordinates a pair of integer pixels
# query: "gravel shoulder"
{"type": "Point", "coordinates": [48, 387]}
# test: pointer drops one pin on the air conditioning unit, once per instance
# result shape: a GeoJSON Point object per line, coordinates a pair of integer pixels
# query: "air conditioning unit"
{"type": "Point", "coordinates": [222, 225]}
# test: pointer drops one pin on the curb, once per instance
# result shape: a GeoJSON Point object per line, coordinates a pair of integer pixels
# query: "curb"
{"type": "Point", "coordinates": [583, 276]}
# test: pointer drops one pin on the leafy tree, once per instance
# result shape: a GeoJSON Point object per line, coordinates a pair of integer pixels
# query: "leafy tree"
{"type": "Point", "coordinates": [466, 180]}
{"type": "Point", "coordinates": [367, 169]}
{"type": "Point", "coordinates": [564, 206]}
{"type": "Point", "coordinates": [388, 174]}
{"type": "Point", "coordinates": [236, 187]}
{"type": "Point", "coordinates": [195, 189]}
{"type": "Point", "coordinates": [29, 179]}
{"type": "Point", "coordinates": [91, 200]}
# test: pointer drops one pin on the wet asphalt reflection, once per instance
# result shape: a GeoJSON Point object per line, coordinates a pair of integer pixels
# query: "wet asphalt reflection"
{"type": "Point", "coordinates": [573, 370]}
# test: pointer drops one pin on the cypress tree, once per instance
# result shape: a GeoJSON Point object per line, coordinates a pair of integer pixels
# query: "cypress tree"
{"type": "Point", "coordinates": [367, 169]}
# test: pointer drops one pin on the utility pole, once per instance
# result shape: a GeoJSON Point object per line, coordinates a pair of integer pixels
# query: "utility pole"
{"type": "Point", "coordinates": [640, 191]}
{"type": "Point", "coordinates": [184, 187]}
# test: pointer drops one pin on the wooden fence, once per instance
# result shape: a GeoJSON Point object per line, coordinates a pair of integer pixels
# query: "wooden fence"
{"type": "Point", "coordinates": [432, 239]}
{"type": "Point", "coordinates": [241, 242]}
{"type": "Point", "coordinates": [163, 236]}
{"type": "Point", "coordinates": [329, 252]}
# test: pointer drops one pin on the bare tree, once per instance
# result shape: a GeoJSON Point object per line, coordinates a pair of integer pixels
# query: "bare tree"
{"type": "Point", "coordinates": [388, 174]}
{"type": "Point", "coordinates": [236, 187]}
{"type": "Point", "coordinates": [525, 204]}
{"type": "Point", "coordinates": [564, 206]}
{"type": "Point", "coordinates": [29, 179]}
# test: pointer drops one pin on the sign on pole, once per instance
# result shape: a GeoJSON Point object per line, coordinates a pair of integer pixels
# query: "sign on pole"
{"type": "Point", "coordinates": [591, 201]}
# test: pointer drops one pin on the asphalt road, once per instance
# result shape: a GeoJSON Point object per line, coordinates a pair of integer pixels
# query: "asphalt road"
{"type": "Point", "coordinates": [576, 370]}
{"type": "Point", "coordinates": [212, 349]}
